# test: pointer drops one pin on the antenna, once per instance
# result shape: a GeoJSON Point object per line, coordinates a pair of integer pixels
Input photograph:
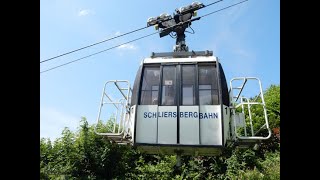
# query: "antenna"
{"type": "Point", "coordinates": [179, 22]}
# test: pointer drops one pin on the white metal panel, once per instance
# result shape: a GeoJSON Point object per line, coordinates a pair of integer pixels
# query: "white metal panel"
{"type": "Point", "coordinates": [233, 130]}
{"type": "Point", "coordinates": [132, 122]}
{"type": "Point", "coordinates": [239, 120]}
{"type": "Point", "coordinates": [210, 125]}
{"type": "Point", "coordinates": [167, 60]}
{"type": "Point", "coordinates": [242, 119]}
{"type": "Point", "coordinates": [146, 126]}
{"type": "Point", "coordinates": [189, 125]}
{"type": "Point", "coordinates": [167, 124]}
{"type": "Point", "coordinates": [226, 121]}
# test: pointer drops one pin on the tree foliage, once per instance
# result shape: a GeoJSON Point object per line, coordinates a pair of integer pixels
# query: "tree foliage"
{"type": "Point", "coordinates": [84, 155]}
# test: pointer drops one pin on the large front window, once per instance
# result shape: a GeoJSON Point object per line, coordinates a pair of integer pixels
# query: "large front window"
{"type": "Point", "coordinates": [168, 85]}
{"type": "Point", "coordinates": [188, 84]}
{"type": "Point", "coordinates": [192, 78]}
{"type": "Point", "coordinates": [150, 86]}
{"type": "Point", "coordinates": [208, 85]}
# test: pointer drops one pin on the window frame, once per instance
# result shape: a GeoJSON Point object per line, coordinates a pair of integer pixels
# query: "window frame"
{"type": "Point", "coordinates": [177, 84]}
{"type": "Point", "coordinates": [149, 91]}
{"type": "Point", "coordinates": [196, 88]}
{"type": "Point", "coordinates": [212, 90]}
{"type": "Point", "coordinates": [178, 100]}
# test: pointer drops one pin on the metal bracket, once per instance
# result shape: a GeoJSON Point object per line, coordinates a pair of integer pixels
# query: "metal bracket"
{"type": "Point", "coordinates": [181, 54]}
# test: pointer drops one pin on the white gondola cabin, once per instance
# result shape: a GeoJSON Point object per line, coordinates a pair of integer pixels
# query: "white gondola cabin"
{"type": "Point", "coordinates": [180, 102]}
{"type": "Point", "coordinates": [179, 105]}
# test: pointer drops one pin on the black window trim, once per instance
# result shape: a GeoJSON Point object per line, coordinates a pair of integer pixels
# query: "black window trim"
{"type": "Point", "coordinates": [141, 81]}
{"type": "Point", "coordinates": [179, 95]}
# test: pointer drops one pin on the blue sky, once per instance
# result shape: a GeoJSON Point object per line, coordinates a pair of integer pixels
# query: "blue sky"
{"type": "Point", "coordinates": [246, 38]}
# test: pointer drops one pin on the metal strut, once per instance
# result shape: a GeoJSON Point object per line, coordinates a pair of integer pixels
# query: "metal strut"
{"type": "Point", "coordinates": [178, 158]}
{"type": "Point", "coordinates": [180, 41]}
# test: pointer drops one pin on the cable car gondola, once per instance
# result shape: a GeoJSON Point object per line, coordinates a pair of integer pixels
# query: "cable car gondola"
{"type": "Point", "coordinates": [180, 102]}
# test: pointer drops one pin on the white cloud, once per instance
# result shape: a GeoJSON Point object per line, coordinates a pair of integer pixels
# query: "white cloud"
{"type": "Point", "coordinates": [53, 121]}
{"type": "Point", "coordinates": [117, 33]}
{"type": "Point", "coordinates": [127, 46]}
{"type": "Point", "coordinates": [85, 12]}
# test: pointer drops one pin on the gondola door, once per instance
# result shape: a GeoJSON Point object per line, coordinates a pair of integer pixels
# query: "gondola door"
{"type": "Point", "coordinates": [189, 108]}
{"type": "Point", "coordinates": [167, 109]}
{"type": "Point", "coordinates": [178, 114]}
